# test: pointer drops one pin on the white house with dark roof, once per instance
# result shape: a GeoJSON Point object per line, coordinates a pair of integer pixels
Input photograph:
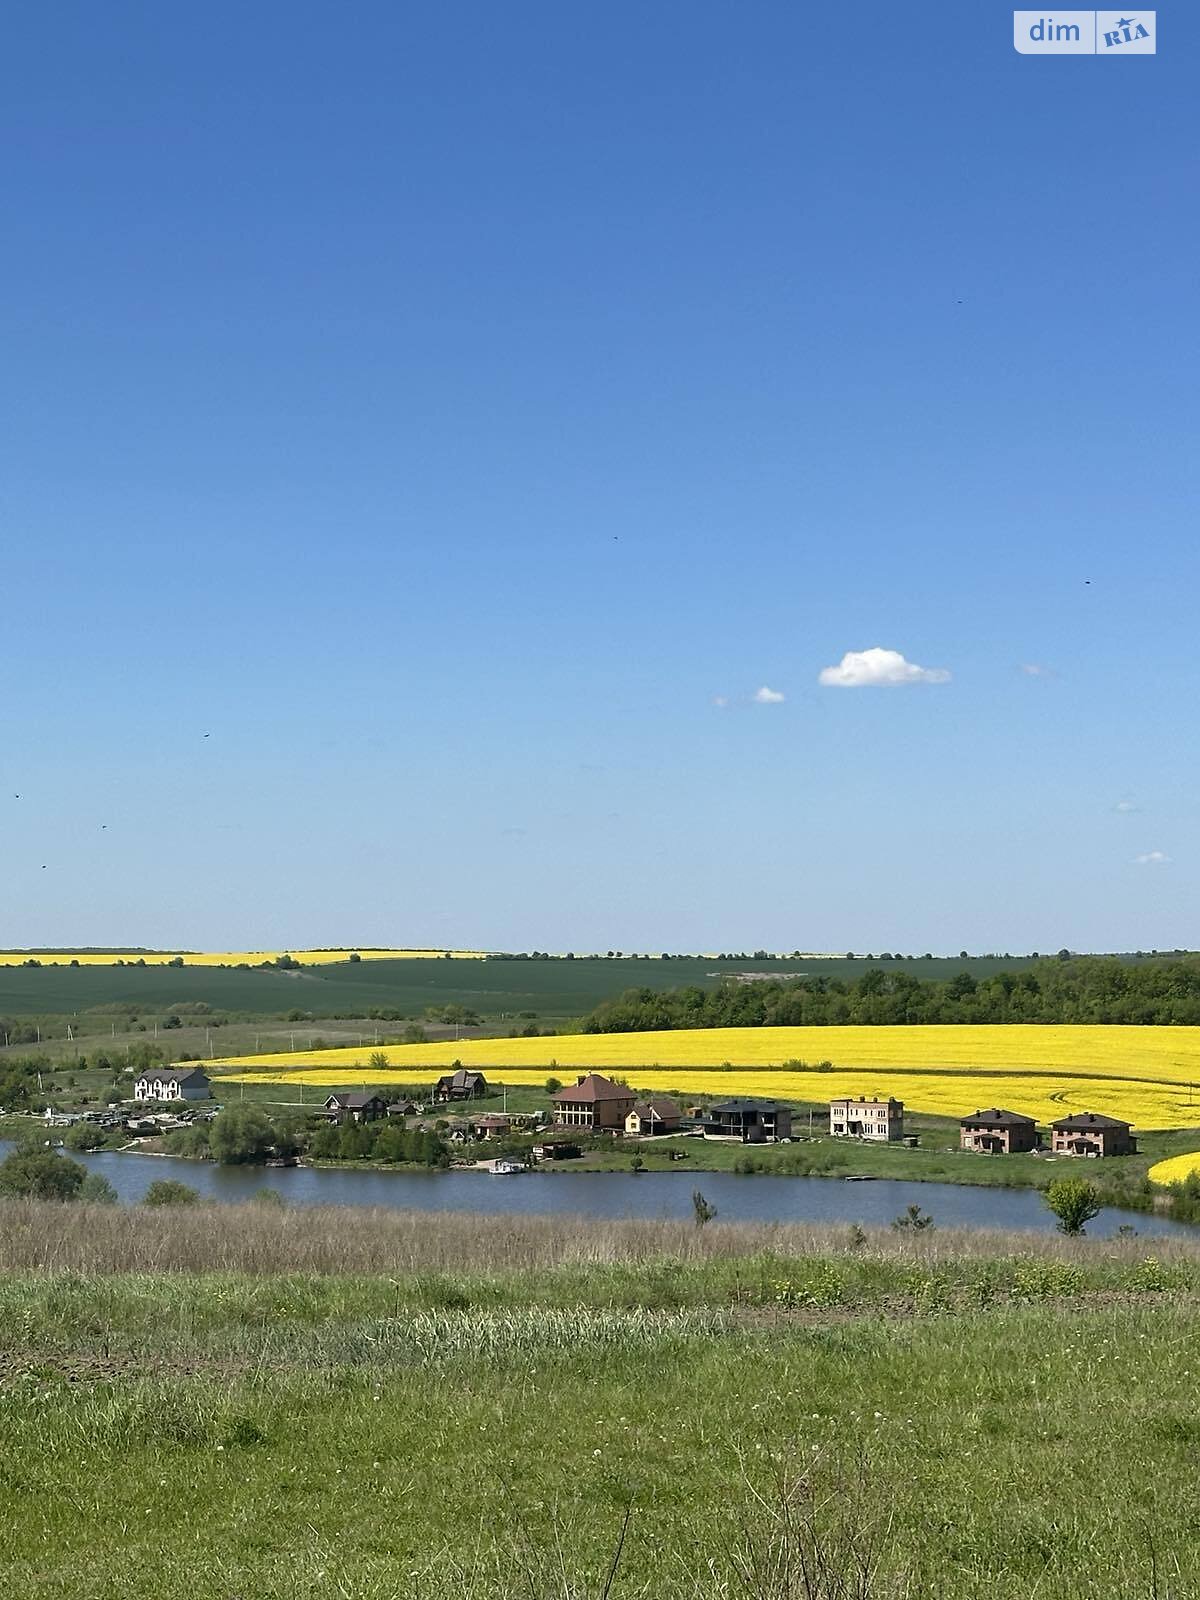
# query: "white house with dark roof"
{"type": "Point", "coordinates": [172, 1083]}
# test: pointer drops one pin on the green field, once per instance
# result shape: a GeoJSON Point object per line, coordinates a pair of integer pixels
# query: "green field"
{"type": "Point", "coordinates": [493, 988]}
{"type": "Point", "coordinates": [238, 1403]}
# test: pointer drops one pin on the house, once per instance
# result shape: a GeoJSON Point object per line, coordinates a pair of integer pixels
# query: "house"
{"type": "Point", "coordinates": [404, 1108]}
{"type": "Point", "coordinates": [653, 1116]}
{"type": "Point", "coordinates": [593, 1102]}
{"type": "Point", "coordinates": [460, 1085]}
{"type": "Point", "coordinates": [749, 1121]}
{"type": "Point", "coordinates": [556, 1150]}
{"type": "Point", "coordinates": [357, 1107]}
{"type": "Point", "coordinates": [998, 1132]}
{"type": "Point", "coordinates": [172, 1083]}
{"type": "Point", "coordinates": [1089, 1133]}
{"type": "Point", "coordinates": [491, 1127]}
{"type": "Point", "coordinates": [867, 1119]}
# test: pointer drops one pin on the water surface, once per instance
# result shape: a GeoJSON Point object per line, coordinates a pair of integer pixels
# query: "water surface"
{"type": "Point", "coordinates": [754, 1198]}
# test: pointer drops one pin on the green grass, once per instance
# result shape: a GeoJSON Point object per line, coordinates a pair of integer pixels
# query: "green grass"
{"type": "Point", "coordinates": [960, 1419]}
{"type": "Point", "coordinates": [496, 989]}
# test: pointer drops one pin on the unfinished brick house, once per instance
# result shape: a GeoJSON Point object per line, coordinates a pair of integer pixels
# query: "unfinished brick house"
{"type": "Point", "coordinates": [1090, 1133]}
{"type": "Point", "coordinates": [998, 1132]}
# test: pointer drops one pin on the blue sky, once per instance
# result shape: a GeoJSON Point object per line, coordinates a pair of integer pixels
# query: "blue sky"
{"type": "Point", "coordinates": [417, 420]}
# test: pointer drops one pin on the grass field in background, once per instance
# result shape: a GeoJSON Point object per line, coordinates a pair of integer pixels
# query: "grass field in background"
{"type": "Point", "coordinates": [398, 1409]}
{"type": "Point", "coordinates": [217, 958]}
{"type": "Point", "coordinates": [1149, 1076]}
{"type": "Point", "coordinates": [496, 989]}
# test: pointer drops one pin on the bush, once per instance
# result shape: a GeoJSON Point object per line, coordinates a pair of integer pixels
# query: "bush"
{"type": "Point", "coordinates": [41, 1175]}
{"type": "Point", "coordinates": [96, 1190]}
{"type": "Point", "coordinates": [166, 1192]}
{"type": "Point", "coordinates": [1074, 1201]}
{"type": "Point", "coordinates": [83, 1136]}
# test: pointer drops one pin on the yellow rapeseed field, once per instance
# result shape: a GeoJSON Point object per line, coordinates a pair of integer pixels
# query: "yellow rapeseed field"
{"type": "Point", "coordinates": [1149, 1076]}
{"type": "Point", "coordinates": [1175, 1169]}
{"type": "Point", "coordinates": [219, 958]}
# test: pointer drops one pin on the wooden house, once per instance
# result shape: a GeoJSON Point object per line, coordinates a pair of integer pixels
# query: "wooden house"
{"type": "Point", "coordinates": [358, 1106]}
{"type": "Point", "coordinates": [462, 1084]}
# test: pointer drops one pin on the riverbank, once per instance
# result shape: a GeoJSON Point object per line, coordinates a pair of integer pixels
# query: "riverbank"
{"type": "Point", "coordinates": [669, 1411]}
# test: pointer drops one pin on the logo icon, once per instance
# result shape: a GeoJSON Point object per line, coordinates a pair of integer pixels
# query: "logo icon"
{"type": "Point", "coordinates": [1084, 33]}
{"type": "Point", "coordinates": [1118, 34]}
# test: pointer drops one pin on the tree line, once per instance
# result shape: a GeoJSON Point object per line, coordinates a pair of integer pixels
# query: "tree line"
{"type": "Point", "coordinates": [1084, 989]}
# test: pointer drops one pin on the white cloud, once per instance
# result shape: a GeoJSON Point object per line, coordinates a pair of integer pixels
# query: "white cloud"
{"type": "Point", "coordinates": [1152, 858]}
{"type": "Point", "coordinates": [767, 697]}
{"type": "Point", "coordinates": [876, 668]}
{"type": "Point", "coordinates": [1126, 806]}
{"type": "Point", "coordinates": [1036, 669]}
{"type": "Point", "coordinates": [720, 701]}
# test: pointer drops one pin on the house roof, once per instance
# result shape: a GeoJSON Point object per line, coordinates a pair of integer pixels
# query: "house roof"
{"type": "Point", "coordinates": [493, 1121]}
{"type": "Point", "coordinates": [593, 1087]}
{"type": "Point", "coordinates": [353, 1101]}
{"type": "Point", "coordinates": [462, 1079]}
{"type": "Point", "coordinates": [997, 1117]}
{"type": "Point", "coordinates": [728, 1106]}
{"type": "Point", "coordinates": [1081, 1120]}
{"type": "Point", "coordinates": [665, 1110]}
{"type": "Point", "coordinates": [170, 1074]}
{"type": "Point", "coordinates": [864, 1100]}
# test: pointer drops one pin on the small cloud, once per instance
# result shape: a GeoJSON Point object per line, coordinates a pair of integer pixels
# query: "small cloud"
{"type": "Point", "coordinates": [513, 833]}
{"type": "Point", "coordinates": [767, 697]}
{"type": "Point", "coordinates": [876, 668]}
{"type": "Point", "coordinates": [1125, 807]}
{"type": "Point", "coordinates": [720, 701]}
{"type": "Point", "coordinates": [1152, 858]}
{"type": "Point", "coordinates": [1037, 669]}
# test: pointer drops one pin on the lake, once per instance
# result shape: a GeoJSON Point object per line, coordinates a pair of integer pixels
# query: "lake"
{"type": "Point", "coordinates": [615, 1195]}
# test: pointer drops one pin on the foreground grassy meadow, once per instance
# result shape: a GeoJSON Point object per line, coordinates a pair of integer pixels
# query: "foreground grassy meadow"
{"type": "Point", "coordinates": [238, 1403]}
{"type": "Point", "coordinates": [1149, 1076]}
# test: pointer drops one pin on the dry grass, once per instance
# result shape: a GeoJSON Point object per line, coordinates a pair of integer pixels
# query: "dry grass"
{"type": "Point", "coordinates": [43, 1236]}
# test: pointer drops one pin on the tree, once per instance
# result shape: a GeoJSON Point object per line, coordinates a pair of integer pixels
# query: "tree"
{"type": "Point", "coordinates": [96, 1190]}
{"type": "Point", "coordinates": [41, 1175]}
{"type": "Point", "coordinates": [353, 956]}
{"type": "Point", "coordinates": [701, 1209]}
{"type": "Point", "coordinates": [1074, 1201]}
{"type": "Point", "coordinates": [913, 1217]}
{"type": "Point", "coordinates": [166, 1192]}
{"type": "Point", "coordinates": [239, 1135]}
{"type": "Point", "coordinates": [378, 1059]}
{"type": "Point", "coordinates": [553, 1085]}
{"type": "Point", "coordinates": [83, 1136]}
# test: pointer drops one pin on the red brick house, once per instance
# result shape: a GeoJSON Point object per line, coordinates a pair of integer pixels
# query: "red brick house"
{"type": "Point", "coordinates": [998, 1132]}
{"type": "Point", "coordinates": [1089, 1133]}
{"type": "Point", "coordinates": [593, 1102]}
